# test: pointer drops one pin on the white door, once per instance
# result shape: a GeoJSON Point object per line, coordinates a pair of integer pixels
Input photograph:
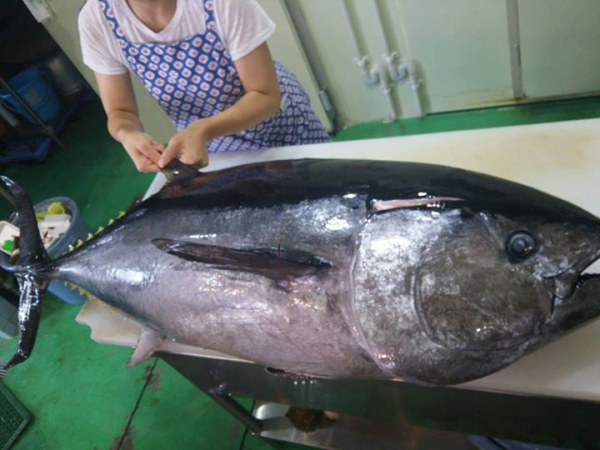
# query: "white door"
{"type": "Point", "coordinates": [560, 47]}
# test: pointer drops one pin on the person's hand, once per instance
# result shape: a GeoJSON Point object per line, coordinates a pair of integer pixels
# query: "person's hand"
{"type": "Point", "coordinates": [143, 149]}
{"type": "Point", "coordinates": [189, 145]}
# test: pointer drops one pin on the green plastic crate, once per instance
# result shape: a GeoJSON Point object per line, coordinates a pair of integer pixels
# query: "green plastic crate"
{"type": "Point", "coordinates": [13, 417]}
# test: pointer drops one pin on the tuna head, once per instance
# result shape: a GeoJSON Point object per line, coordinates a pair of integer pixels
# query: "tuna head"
{"type": "Point", "coordinates": [448, 295]}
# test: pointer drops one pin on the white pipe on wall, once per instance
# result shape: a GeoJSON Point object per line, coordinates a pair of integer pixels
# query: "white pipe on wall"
{"type": "Point", "coordinates": [413, 83]}
{"type": "Point", "coordinates": [314, 62]}
{"type": "Point", "coordinates": [353, 34]}
{"type": "Point", "coordinates": [405, 70]}
{"type": "Point", "coordinates": [374, 76]}
{"type": "Point", "coordinates": [386, 87]}
{"type": "Point", "coordinates": [370, 77]}
{"type": "Point", "coordinates": [382, 33]}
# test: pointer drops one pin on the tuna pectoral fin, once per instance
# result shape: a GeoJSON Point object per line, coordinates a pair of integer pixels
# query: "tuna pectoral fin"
{"type": "Point", "coordinates": [147, 344]}
{"type": "Point", "coordinates": [276, 264]}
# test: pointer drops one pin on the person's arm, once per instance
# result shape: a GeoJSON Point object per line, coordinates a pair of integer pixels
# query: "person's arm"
{"type": "Point", "coordinates": [261, 101]}
{"type": "Point", "coordinates": [118, 100]}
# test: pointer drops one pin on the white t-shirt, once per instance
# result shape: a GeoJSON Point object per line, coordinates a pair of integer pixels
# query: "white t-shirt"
{"type": "Point", "coordinates": [242, 25]}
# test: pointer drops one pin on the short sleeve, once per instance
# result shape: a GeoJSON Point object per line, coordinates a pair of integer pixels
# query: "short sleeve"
{"type": "Point", "coordinates": [97, 43]}
{"type": "Point", "coordinates": [243, 25]}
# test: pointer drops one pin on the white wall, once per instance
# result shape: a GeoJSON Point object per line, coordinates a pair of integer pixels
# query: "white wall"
{"type": "Point", "coordinates": [460, 47]}
{"type": "Point", "coordinates": [63, 28]}
{"type": "Point", "coordinates": [286, 48]}
{"type": "Point", "coordinates": [559, 41]}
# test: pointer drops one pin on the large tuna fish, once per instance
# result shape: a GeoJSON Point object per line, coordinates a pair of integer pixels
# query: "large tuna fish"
{"type": "Point", "coordinates": [336, 268]}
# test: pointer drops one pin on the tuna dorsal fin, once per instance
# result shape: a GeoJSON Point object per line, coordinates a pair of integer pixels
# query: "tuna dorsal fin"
{"type": "Point", "coordinates": [176, 171]}
{"type": "Point", "coordinates": [277, 264]}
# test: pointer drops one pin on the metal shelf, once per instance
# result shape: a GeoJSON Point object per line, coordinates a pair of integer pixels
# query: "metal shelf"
{"type": "Point", "coordinates": [354, 433]}
{"type": "Point", "coordinates": [376, 406]}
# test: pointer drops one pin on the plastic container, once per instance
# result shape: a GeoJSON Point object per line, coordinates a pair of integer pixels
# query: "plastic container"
{"type": "Point", "coordinates": [66, 79]}
{"type": "Point", "coordinates": [34, 87]}
{"type": "Point", "coordinates": [8, 232]}
{"type": "Point", "coordinates": [78, 230]}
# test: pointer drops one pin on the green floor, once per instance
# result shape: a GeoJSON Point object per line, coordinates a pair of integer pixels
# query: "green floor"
{"type": "Point", "coordinates": [584, 108]}
{"type": "Point", "coordinates": [80, 393]}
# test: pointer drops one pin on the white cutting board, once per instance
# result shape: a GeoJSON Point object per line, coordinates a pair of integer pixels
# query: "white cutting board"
{"type": "Point", "coordinates": [561, 158]}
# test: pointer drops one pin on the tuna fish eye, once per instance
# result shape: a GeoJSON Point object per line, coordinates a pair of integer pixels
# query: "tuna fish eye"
{"type": "Point", "coordinates": [520, 245]}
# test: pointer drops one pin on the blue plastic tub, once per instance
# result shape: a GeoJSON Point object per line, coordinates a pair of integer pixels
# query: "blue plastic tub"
{"type": "Point", "coordinates": [78, 230]}
{"type": "Point", "coordinates": [34, 87]}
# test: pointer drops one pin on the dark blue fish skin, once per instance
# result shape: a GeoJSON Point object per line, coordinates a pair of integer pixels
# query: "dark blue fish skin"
{"type": "Point", "coordinates": [344, 268]}
{"type": "Point", "coordinates": [282, 182]}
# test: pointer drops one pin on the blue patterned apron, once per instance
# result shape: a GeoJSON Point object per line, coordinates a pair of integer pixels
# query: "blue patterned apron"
{"type": "Point", "coordinates": [195, 78]}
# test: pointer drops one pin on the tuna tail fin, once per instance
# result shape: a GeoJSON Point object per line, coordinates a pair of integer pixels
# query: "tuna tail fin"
{"type": "Point", "coordinates": [32, 294]}
{"type": "Point", "coordinates": [31, 262]}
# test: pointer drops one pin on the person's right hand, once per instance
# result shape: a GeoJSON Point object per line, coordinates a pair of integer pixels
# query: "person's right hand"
{"type": "Point", "coordinates": [143, 149]}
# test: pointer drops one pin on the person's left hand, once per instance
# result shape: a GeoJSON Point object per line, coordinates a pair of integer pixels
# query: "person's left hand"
{"type": "Point", "coordinates": [190, 145]}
